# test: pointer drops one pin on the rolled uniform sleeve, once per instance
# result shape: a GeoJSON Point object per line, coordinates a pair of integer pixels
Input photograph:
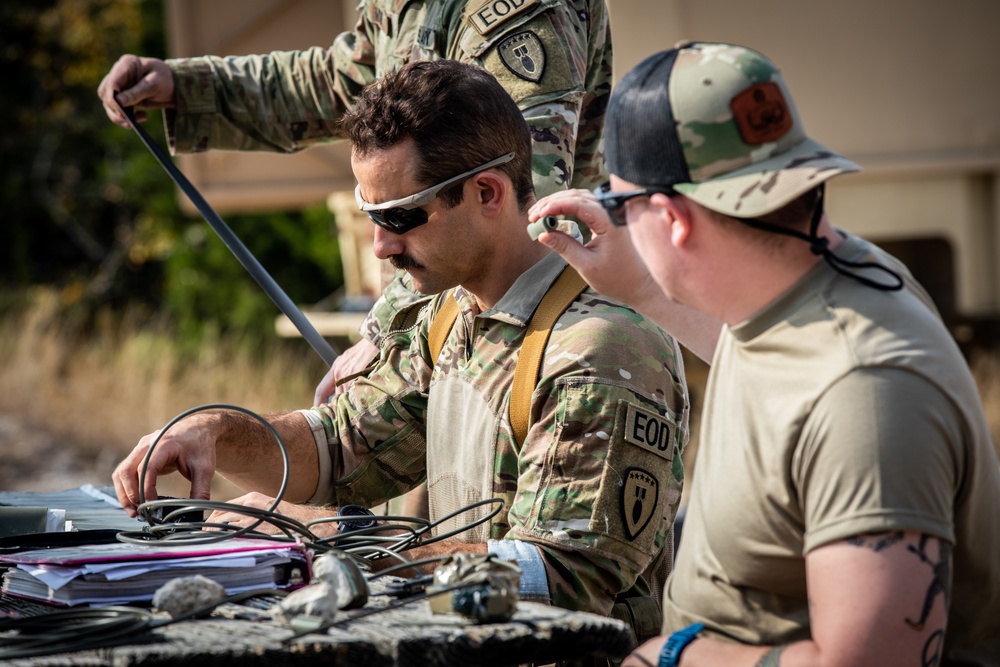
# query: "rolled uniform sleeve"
{"type": "Point", "coordinates": [371, 439]}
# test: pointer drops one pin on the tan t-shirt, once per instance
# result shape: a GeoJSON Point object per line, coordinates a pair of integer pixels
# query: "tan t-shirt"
{"type": "Point", "coordinates": [837, 410]}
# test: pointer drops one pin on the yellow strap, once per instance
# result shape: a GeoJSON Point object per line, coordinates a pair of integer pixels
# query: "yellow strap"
{"type": "Point", "coordinates": [563, 292]}
{"type": "Point", "coordinates": [441, 325]}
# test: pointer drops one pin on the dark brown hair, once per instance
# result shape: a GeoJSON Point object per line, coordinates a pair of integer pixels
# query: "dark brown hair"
{"type": "Point", "coordinates": [457, 115]}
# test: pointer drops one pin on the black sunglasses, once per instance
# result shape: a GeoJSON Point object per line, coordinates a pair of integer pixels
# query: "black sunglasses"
{"type": "Point", "coordinates": [614, 202]}
{"type": "Point", "coordinates": [398, 220]}
{"type": "Point", "coordinates": [401, 215]}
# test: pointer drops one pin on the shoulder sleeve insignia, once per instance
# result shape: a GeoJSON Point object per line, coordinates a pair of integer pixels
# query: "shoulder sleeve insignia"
{"type": "Point", "coordinates": [487, 15]}
{"type": "Point", "coordinates": [524, 55]}
{"type": "Point", "coordinates": [639, 494]}
{"type": "Point", "coordinates": [649, 431]}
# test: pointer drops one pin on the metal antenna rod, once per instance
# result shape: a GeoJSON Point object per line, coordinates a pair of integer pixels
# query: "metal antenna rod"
{"type": "Point", "coordinates": [249, 262]}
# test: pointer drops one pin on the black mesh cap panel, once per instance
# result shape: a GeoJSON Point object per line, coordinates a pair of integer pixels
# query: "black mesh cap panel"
{"type": "Point", "coordinates": [640, 137]}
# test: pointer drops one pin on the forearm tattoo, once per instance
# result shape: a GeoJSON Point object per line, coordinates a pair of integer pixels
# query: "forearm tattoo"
{"type": "Point", "coordinates": [940, 583]}
{"type": "Point", "coordinates": [772, 658]}
{"type": "Point", "coordinates": [876, 541]}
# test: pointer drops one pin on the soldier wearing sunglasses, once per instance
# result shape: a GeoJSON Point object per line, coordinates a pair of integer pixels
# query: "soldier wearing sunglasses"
{"type": "Point", "coordinates": [442, 157]}
{"type": "Point", "coordinates": [553, 57]}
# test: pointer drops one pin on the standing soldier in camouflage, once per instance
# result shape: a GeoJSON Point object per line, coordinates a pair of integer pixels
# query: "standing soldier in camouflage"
{"type": "Point", "coordinates": [552, 56]}
{"type": "Point", "coordinates": [442, 156]}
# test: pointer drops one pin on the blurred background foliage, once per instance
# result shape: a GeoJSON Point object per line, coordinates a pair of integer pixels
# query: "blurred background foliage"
{"type": "Point", "coordinates": [86, 208]}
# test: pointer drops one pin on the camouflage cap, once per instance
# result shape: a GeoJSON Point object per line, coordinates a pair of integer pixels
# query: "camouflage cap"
{"type": "Point", "coordinates": [716, 122]}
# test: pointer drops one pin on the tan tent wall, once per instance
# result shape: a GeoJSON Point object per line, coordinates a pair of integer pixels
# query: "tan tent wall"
{"type": "Point", "coordinates": [910, 89]}
{"type": "Point", "coordinates": [234, 181]}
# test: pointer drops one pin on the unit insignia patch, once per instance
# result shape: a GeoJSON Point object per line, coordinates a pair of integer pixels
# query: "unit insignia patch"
{"type": "Point", "coordinates": [639, 494]}
{"type": "Point", "coordinates": [524, 55]}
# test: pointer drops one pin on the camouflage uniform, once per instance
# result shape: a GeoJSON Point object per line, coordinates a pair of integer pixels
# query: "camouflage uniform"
{"type": "Point", "coordinates": [552, 56]}
{"type": "Point", "coordinates": [595, 485]}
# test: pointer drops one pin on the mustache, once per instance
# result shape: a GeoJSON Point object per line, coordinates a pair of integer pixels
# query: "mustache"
{"type": "Point", "coordinates": [404, 262]}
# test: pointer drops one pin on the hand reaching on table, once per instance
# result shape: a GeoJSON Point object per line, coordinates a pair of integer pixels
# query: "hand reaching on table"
{"type": "Point", "coordinates": [188, 447]}
{"type": "Point", "coordinates": [241, 446]}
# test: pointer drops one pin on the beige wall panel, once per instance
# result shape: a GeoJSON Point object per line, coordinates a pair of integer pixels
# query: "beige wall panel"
{"type": "Point", "coordinates": [888, 82]}
{"type": "Point", "coordinates": [948, 207]}
{"type": "Point", "coordinates": [910, 89]}
{"type": "Point", "coordinates": [233, 181]}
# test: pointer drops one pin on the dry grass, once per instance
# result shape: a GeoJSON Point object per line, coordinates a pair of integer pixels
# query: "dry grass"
{"type": "Point", "coordinates": [71, 407]}
{"type": "Point", "coordinates": [98, 394]}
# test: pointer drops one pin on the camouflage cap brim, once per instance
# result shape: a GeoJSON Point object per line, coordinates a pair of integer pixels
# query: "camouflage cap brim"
{"type": "Point", "coordinates": [766, 186]}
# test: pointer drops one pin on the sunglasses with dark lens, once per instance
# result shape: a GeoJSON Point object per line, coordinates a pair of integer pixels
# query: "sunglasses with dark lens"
{"type": "Point", "coordinates": [398, 220]}
{"type": "Point", "coordinates": [401, 215]}
{"type": "Point", "coordinates": [614, 202]}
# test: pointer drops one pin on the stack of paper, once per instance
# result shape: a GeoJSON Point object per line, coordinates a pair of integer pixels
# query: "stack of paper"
{"type": "Point", "coordinates": [108, 574]}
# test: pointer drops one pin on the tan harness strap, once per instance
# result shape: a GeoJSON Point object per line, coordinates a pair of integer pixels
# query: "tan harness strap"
{"type": "Point", "coordinates": [441, 326]}
{"type": "Point", "coordinates": [563, 292]}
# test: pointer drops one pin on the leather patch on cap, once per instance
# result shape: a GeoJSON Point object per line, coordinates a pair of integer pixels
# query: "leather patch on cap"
{"type": "Point", "coordinates": [524, 55]}
{"type": "Point", "coordinates": [649, 431]}
{"type": "Point", "coordinates": [639, 494]}
{"type": "Point", "coordinates": [487, 15]}
{"type": "Point", "coordinates": [761, 113]}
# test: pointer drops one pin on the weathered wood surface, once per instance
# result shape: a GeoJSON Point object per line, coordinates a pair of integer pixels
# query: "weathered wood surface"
{"type": "Point", "coordinates": [409, 636]}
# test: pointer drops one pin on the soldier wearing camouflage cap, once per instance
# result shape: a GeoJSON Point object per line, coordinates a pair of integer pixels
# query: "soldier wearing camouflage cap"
{"type": "Point", "coordinates": [843, 505]}
{"type": "Point", "coordinates": [554, 57]}
{"type": "Point", "coordinates": [443, 162]}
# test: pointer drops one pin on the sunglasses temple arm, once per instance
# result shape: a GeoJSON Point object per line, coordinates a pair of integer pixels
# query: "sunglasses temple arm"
{"type": "Point", "coordinates": [245, 257]}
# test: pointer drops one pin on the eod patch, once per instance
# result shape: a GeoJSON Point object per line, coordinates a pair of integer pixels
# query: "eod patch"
{"type": "Point", "coordinates": [638, 471]}
{"type": "Point", "coordinates": [650, 431]}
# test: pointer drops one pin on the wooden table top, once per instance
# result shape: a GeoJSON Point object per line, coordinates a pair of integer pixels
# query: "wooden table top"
{"type": "Point", "coordinates": [409, 635]}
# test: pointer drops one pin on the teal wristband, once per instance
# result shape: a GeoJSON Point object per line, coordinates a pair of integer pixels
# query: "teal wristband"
{"type": "Point", "coordinates": [677, 642]}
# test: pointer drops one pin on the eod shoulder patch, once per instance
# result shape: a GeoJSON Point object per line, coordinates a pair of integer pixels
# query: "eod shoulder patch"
{"type": "Point", "coordinates": [636, 488]}
{"type": "Point", "coordinates": [488, 15]}
{"type": "Point", "coordinates": [649, 431]}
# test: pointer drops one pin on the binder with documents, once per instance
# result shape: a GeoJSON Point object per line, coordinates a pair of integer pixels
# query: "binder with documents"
{"type": "Point", "coordinates": [111, 574]}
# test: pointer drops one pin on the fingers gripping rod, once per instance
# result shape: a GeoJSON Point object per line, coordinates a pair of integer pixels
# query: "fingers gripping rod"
{"type": "Point", "coordinates": [233, 242]}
